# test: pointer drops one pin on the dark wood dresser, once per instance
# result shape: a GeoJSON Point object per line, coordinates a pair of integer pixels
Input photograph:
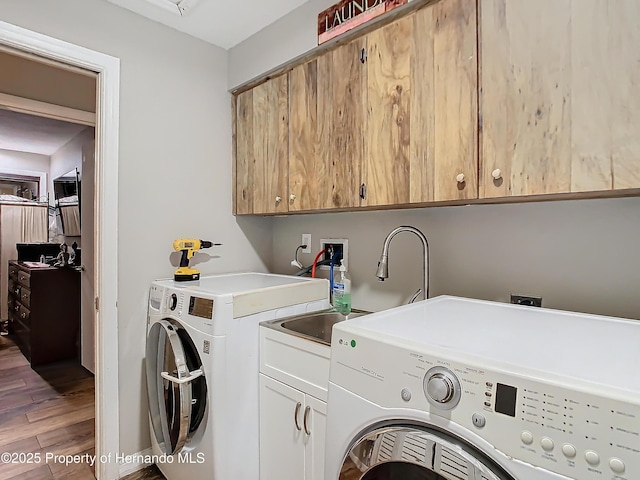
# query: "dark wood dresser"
{"type": "Point", "coordinates": [44, 312]}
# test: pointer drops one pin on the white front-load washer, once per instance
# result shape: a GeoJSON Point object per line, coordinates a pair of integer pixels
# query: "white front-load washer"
{"type": "Point", "coordinates": [460, 389]}
{"type": "Point", "coordinates": [202, 368]}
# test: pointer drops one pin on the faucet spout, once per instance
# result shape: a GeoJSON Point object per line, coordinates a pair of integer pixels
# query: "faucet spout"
{"type": "Point", "coordinates": [383, 264]}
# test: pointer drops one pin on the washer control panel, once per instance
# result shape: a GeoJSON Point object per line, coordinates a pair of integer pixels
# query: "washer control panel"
{"type": "Point", "coordinates": [571, 428]}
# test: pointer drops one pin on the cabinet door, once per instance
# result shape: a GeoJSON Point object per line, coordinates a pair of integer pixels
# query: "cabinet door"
{"type": "Point", "coordinates": [326, 102]}
{"type": "Point", "coordinates": [422, 107]}
{"type": "Point", "coordinates": [455, 97]}
{"type": "Point", "coordinates": [559, 111]}
{"type": "Point", "coordinates": [316, 423]}
{"type": "Point", "coordinates": [308, 175]}
{"type": "Point", "coordinates": [386, 165]}
{"type": "Point", "coordinates": [262, 125]}
{"type": "Point", "coordinates": [526, 103]}
{"type": "Point", "coordinates": [605, 104]}
{"type": "Point", "coordinates": [282, 448]}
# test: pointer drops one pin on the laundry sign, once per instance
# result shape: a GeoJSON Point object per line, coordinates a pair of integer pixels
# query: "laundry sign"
{"type": "Point", "coordinates": [348, 14]}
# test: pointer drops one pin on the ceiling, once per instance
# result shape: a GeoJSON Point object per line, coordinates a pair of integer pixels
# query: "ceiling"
{"type": "Point", "coordinates": [222, 23]}
{"type": "Point", "coordinates": [28, 133]}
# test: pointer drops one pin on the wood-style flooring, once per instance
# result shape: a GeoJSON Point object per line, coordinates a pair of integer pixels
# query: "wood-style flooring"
{"type": "Point", "coordinates": [50, 410]}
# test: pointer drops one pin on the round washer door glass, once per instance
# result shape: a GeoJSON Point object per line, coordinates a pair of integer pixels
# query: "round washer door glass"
{"type": "Point", "coordinates": [416, 453]}
{"type": "Point", "coordinates": [176, 385]}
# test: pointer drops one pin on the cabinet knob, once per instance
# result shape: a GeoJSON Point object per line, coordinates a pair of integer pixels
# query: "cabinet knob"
{"type": "Point", "coordinates": [292, 197]}
{"type": "Point", "coordinates": [496, 174]}
{"type": "Point", "coordinates": [460, 178]}
{"type": "Point", "coordinates": [23, 315]}
{"type": "Point", "coordinates": [278, 199]}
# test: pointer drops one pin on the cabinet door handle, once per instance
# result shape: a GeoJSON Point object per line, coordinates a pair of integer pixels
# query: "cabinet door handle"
{"type": "Point", "coordinates": [307, 409]}
{"type": "Point", "coordinates": [295, 416]}
{"type": "Point", "coordinates": [496, 174]}
{"type": "Point", "coordinates": [278, 199]}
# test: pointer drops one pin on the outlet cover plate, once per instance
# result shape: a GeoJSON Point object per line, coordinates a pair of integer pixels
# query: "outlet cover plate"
{"type": "Point", "coordinates": [306, 240]}
{"type": "Point", "coordinates": [528, 300]}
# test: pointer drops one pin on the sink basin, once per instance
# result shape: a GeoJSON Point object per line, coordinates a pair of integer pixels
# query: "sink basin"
{"type": "Point", "coordinates": [313, 326]}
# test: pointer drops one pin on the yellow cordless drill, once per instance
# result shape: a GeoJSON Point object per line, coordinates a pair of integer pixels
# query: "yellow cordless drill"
{"type": "Point", "coordinates": [189, 246]}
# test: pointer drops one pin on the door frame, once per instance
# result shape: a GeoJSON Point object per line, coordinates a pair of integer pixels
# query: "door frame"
{"type": "Point", "coordinates": [105, 223]}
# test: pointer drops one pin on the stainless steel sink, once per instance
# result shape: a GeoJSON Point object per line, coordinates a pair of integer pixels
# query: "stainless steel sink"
{"type": "Point", "coordinates": [313, 326]}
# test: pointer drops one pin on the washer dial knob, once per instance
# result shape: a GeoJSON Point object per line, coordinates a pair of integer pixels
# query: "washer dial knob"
{"type": "Point", "coordinates": [442, 388]}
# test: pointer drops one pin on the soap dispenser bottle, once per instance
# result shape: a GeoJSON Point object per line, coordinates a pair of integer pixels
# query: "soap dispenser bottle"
{"type": "Point", "coordinates": [342, 291]}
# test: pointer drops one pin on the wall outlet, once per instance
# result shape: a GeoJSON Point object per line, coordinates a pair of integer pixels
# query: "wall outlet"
{"type": "Point", "coordinates": [306, 240]}
{"type": "Point", "coordinates": [333, 245]}
{"type": "Point", "coordinates": [526, 300]}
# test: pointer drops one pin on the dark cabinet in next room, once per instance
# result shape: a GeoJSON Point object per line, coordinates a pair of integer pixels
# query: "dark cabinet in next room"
{"type": "Point", "coordinates": [44, 312]}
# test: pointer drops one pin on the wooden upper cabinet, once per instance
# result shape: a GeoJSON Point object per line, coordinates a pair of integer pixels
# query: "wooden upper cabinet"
{"type": "Point", "coordinates": [456, 100]}
{"type": "Point", "coordinates": [559, 109]}
{"type": "Point", "coordinates": [421, 136]}
{"type": "Point", "coordinates": [262, 132]}
{"type": "Point", "coordinates": [326, 130]}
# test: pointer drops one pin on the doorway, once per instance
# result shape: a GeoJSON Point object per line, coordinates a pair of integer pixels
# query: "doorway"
{"type": "Point", "coordinates": [41, 48]}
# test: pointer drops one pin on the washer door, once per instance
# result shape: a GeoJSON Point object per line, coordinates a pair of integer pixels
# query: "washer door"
{"type": "Point", "coordinates": [416, 453]}
{"type": "Point", "coordinates": [176, 386]}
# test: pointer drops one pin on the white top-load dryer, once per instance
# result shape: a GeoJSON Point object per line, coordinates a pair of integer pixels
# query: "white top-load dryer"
{"type": "Point", "coordinates": [460, 389]}
{"type": "Point", "coordinates": [202, 367]}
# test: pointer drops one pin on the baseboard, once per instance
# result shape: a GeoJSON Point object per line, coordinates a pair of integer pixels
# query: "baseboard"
{"type": "Point", "coordinates": [138, 463]}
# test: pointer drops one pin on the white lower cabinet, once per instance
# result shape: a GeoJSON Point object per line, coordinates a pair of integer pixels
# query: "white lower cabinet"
{"type": "Point", "coordinates": [294, 378]}
{"type": "Point", "coordinates": [292, 433]}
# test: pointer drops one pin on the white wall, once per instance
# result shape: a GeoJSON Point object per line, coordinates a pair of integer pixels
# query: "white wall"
{"type": "Point", "coordinates": [68, 157]}
{"type": "Point", "coordinates": [578, 255]}
{"type": "Point", "coordinates": [283, 40]}
{"type": "Point", "coordinates": [23, 162]}
{"type": "Point", "coordinates": [174, 165]}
